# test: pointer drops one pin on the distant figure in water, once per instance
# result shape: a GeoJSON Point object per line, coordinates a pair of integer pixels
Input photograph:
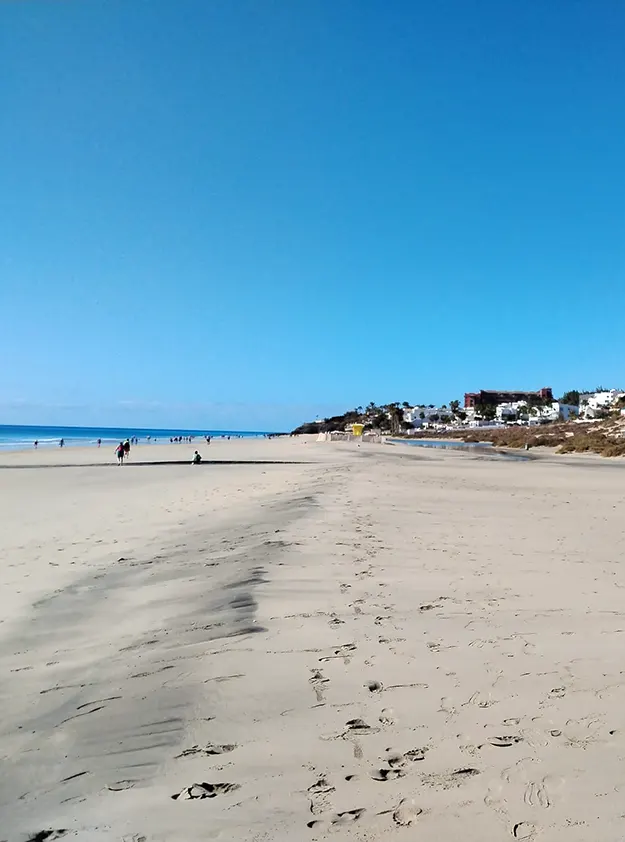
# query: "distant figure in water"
{"type": "Point", "coordinates": [36, 444]}
{"type": "Point", "coordinates": [99, 442]}
{"type": "Point", "coordinates": [120, 452]}
{"type": "Point", "coordinates": [196, 458]}
{"type": "Point", "coordinates": [126, 446]}
{"type": "Point", "coordinates": [62, 443]}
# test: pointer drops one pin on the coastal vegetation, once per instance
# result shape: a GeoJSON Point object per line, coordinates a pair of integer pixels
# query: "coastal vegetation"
{"type": "Point", "coordinates": [387, 418]}
{"type": "Point", "coordinates": [607, 438]}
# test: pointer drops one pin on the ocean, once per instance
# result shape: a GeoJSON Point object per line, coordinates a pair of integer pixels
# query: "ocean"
{"type": "Point", "coordinates": [21, 437]}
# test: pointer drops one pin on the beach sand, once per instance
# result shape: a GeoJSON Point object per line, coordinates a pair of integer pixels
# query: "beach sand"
{"type": "Point", "coordinates": [363, 643]}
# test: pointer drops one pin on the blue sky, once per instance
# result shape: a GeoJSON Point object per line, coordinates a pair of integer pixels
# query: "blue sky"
{"type": "Point", "coordinates": [242, 214]}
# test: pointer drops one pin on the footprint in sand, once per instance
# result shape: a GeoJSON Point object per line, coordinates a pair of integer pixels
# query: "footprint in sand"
{"type": "Point", "coordinates": [505, 741]}
{"type": "Point", "coordinates": [359, 727]}
{"type": "Point", "coordinates": [398, 758]}
{"type": "Point", "coordinates": [416, 754]}
{"type": "Point", "coordinates": [319, 792]}
{"type": "Point", "coordinates": [387, 716]}
{"type": "Point", "coordinates": [47, 835]}
{"type": "Point", "coordinates": [557, 693]}
{"type": "Point", "coordinates": [120, 786]}
{"type": "Point", "coordinates": [406, 812]}
{"type": "Point", "coordinates": [543, 793]}
{"type": "Point", "coordinates": [345, 818]}
{"type": "Point", "coordinates": [480, 700]}
{"type": "Point", "coordinates": [208, 750]}
{"type": "Point", "coordinates": [536, 795]}
{"type": "Point", "coordinates": [374, 686]}
{"type": "Point", "coordinates": [321, 786]}
{"type": "Point", "coordinates": [318, 681]}
{"type": "Point", "coordinates": [396, 762]}
{"type": "Point", "coordinates": [204, 790]}
{"type": "Point", "coordinates": [387, 774]}
{"type": "Point", "coordinates": [524, 830]}
{"type": "Point", "coordinates": [344, 652]}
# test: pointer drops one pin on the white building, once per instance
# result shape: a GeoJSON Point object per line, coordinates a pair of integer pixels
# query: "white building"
{"type": "Point", "coordinates": [519, 411]}
{"type": "Point", "coordinates": [509, 411]}
{"type": "Point", "coordinates": [592, 404]}
{"type": "Point", "coordinates": [421, 416]}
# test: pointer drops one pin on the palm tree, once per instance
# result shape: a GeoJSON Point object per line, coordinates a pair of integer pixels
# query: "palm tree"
{"type": "Point", "coordinates": [454, 406]}
{"type": "Point", "coordinates": [485, 411]}
{"type": "Point", "coordinates": [396, 416]}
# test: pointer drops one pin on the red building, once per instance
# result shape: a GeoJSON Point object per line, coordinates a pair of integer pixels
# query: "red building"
{"type": "Point", "coordinates": [488, 397]}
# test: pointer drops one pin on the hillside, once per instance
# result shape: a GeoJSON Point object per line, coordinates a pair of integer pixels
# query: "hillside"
{"type": "Point", "coordinates": [606, 438]}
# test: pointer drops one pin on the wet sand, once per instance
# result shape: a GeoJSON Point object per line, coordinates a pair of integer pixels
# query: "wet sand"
{"type": "Point", "coordinates": [370, 643]}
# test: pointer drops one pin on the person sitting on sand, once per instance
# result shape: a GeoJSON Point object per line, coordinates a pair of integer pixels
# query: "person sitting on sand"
{"type": "Point", "coordinates": [196, 458]}
{"type": "Point", "coordinates": [120, 452]}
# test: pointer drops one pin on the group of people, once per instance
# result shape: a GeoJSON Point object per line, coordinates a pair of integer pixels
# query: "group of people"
{"type": "Point", "coordinates": [122, 451]}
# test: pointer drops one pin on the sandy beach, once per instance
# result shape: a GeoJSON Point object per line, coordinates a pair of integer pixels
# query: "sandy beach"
{"type": "Point", "coordinates": [304, 640]}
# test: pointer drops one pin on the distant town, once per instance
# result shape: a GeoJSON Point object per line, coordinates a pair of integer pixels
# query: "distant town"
{"type": "Point", "coordinates": [485, 408]}
{"type": "Point", "coordinates": [578, 421]}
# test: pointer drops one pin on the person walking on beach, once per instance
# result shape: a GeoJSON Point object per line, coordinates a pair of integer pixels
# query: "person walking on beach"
{"type": "Point", "coordinates": [196, 458]}
{"type": "Point", "coordinates": [36, 444]}
{"type": "Point", "coordinates": [99, 442]}
{"type": "Point", "coordinates": [126, 446]}
{"type": "Point", "coordinates": [120, 452]}
{"type": "Point", "coordinates": [62, 443]}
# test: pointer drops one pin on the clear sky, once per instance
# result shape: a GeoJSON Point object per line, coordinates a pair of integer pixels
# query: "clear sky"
{"type": "Point", "coordinates": [243, 213]}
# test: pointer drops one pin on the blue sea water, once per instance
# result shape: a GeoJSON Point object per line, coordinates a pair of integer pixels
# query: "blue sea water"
{"type": "Point", "coordinates": [21, 437]}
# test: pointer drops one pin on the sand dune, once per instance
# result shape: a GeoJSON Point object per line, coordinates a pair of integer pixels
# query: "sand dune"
{"type": "Point", "coordinates": [361, 643]}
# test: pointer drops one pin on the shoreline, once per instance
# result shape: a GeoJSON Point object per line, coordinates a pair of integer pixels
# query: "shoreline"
{"type": "Point", "coordinates": [72, 444]}
{"type": "Point", "coordinates": [15, 437]}
{"type": "Point", "coordinates": [143, 453]}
